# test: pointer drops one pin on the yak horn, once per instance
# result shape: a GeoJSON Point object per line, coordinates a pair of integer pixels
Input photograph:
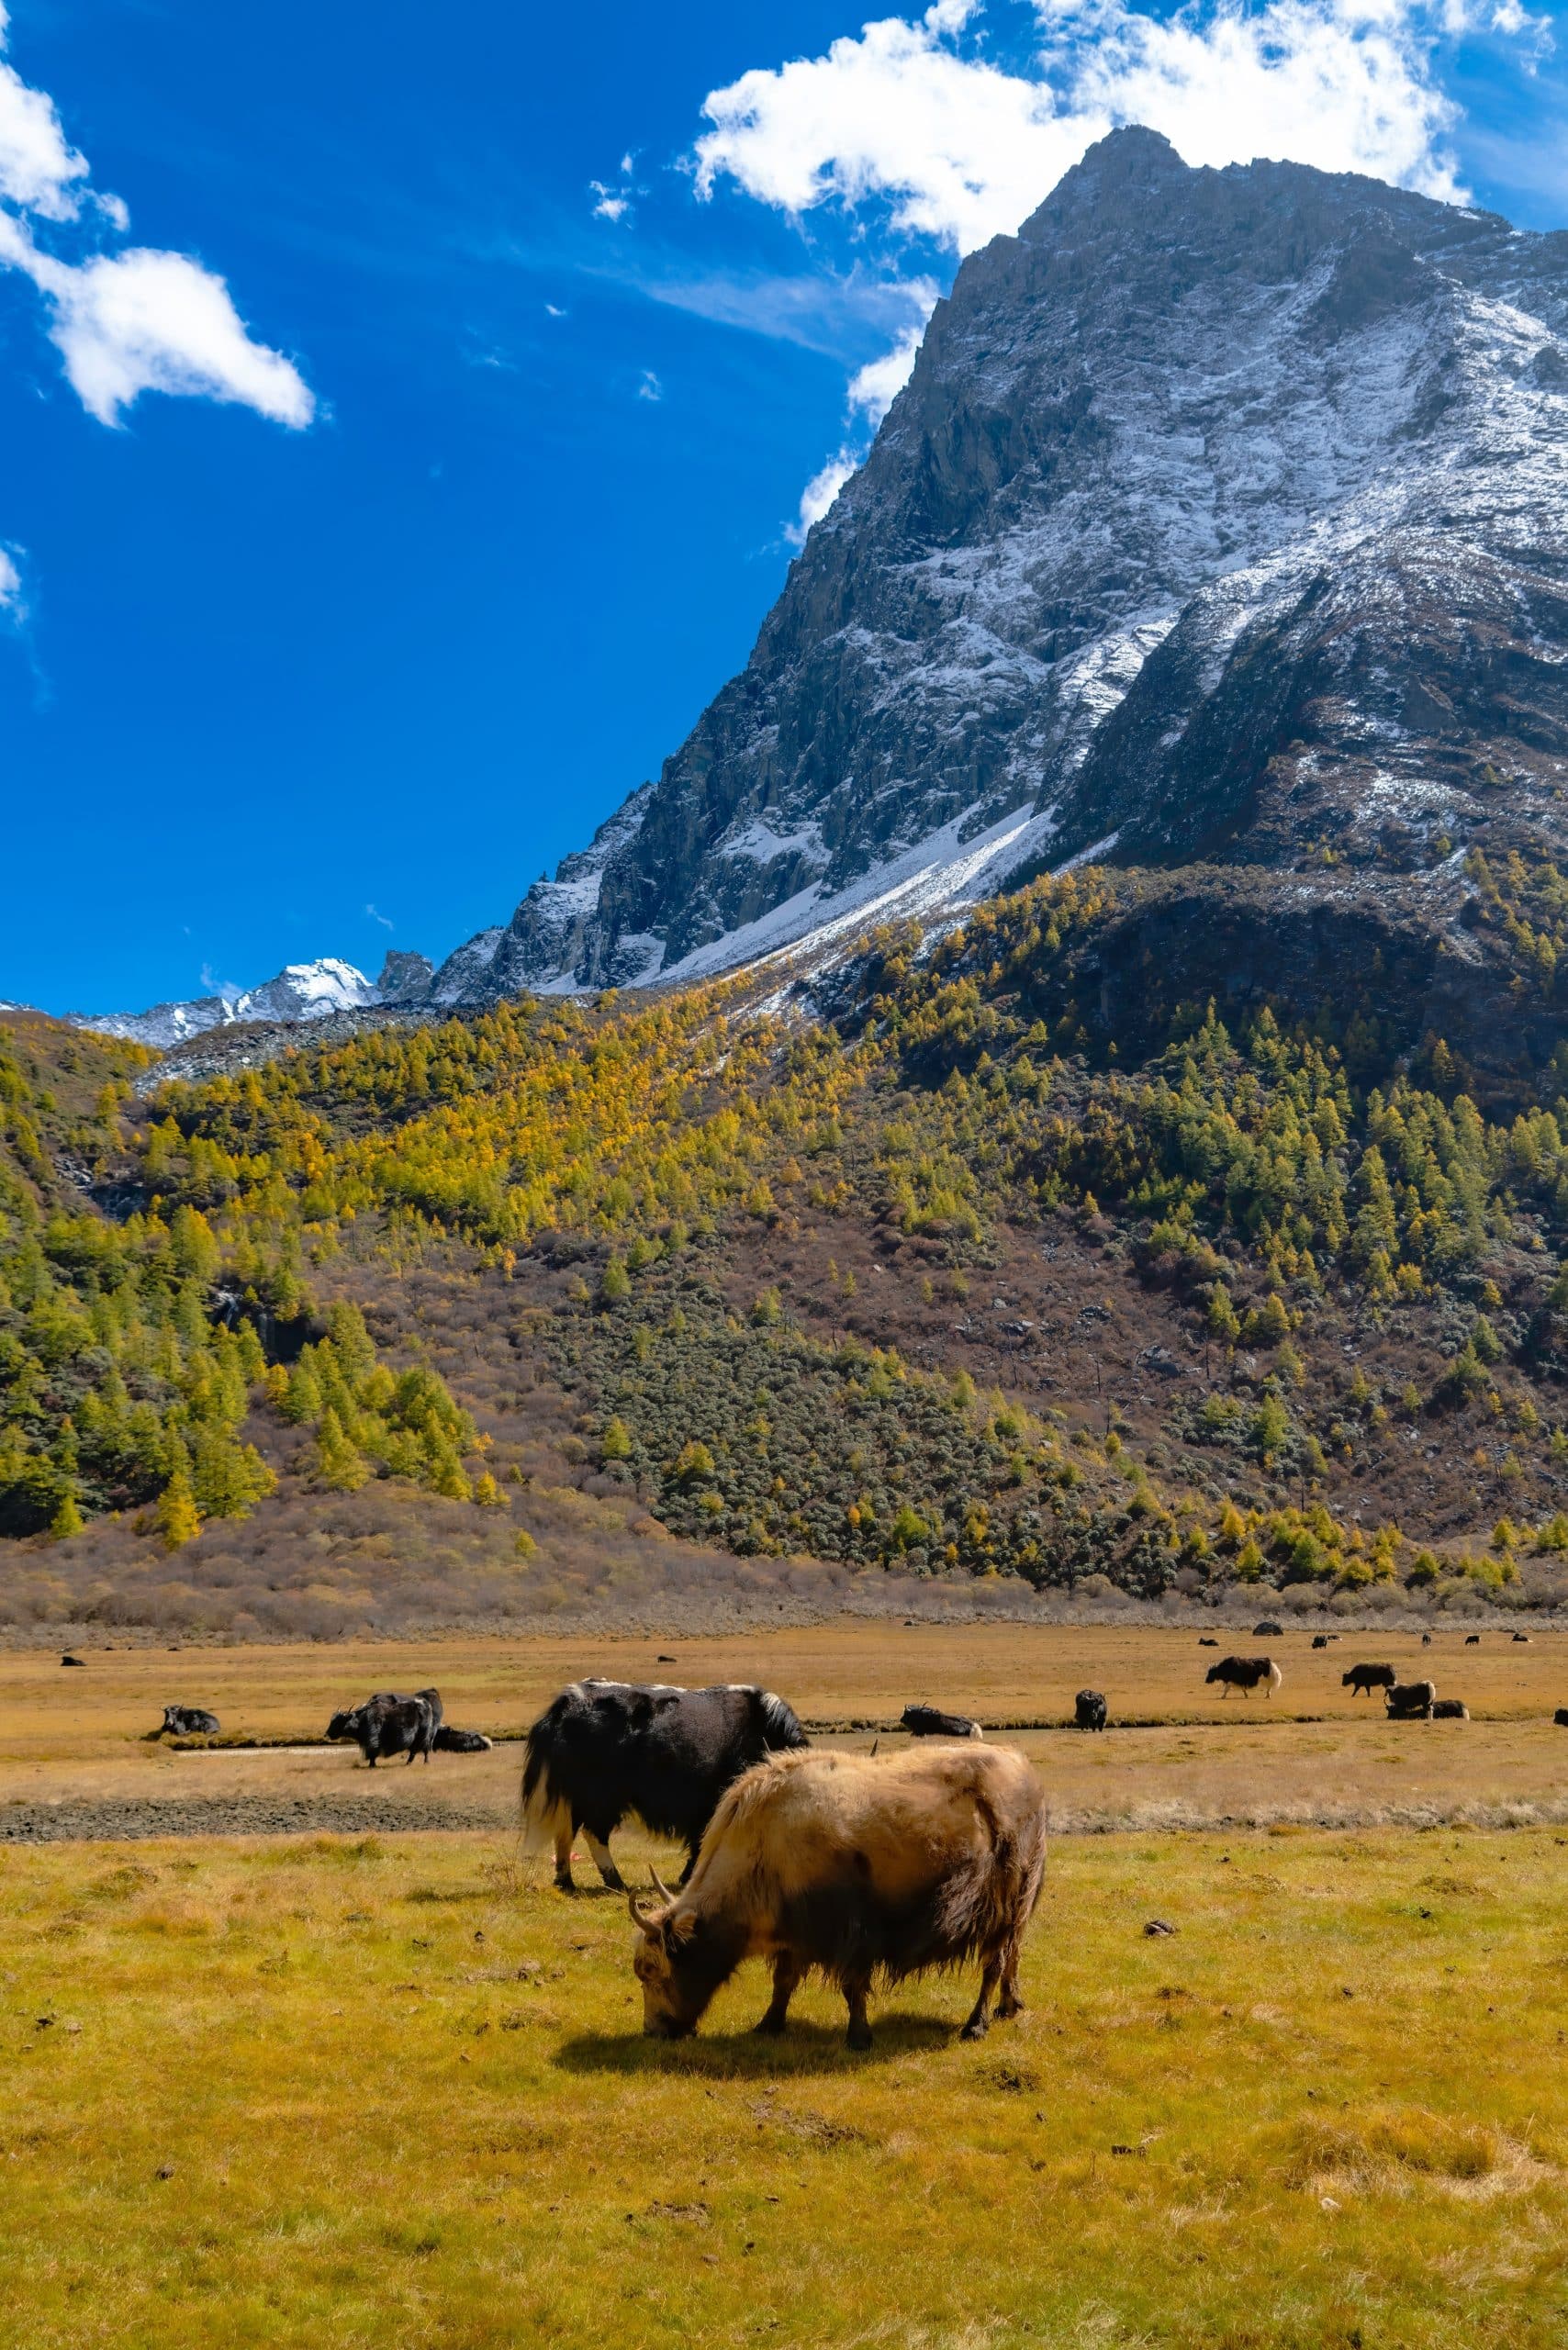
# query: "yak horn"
{"type": "Point", "coordinates": [634, 1903]}
{"type": "Point", "coordinates": [660, 1887]}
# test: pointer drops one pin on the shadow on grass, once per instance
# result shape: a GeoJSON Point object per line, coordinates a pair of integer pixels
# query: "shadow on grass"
{"type": "Point", "coordinates": [751, 2056]}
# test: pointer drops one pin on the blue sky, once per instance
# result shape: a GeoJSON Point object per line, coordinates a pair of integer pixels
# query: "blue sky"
{"type": "Point", "coordinates": [398, 468]}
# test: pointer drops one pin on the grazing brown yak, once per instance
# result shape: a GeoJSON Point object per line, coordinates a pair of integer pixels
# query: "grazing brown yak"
{"type": "Point", "coordinates": [865, 1869]}
{"type": "Point", "coordinates": [1412, 1701]}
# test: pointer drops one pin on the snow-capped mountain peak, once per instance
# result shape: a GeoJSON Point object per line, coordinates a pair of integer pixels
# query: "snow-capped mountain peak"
{"type": "Point", "coordinates": [1222, 515]}
{"type": "Point", "coordinates": [301, 991]}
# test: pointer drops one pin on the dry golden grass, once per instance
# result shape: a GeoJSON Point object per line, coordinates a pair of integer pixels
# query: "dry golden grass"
{"type": "Point", "coordinates": [393, 2091]}
{"type": "Point", "coordinates": [1313, 1753]}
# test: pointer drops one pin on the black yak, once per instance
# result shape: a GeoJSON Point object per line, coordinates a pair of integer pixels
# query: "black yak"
{"type": "Point", "coordinates": [1089, 1709]}
{"type": "Point", "coordinates": [188, 1722]}
{"type": "Point", "coordinates": [1363, 1678]}
{"type": "Point", "coordinates": [389, 1724]}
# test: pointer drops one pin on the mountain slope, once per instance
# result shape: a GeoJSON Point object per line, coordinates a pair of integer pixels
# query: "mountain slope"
{"type": "Point", "coordinates": [1223, 517]}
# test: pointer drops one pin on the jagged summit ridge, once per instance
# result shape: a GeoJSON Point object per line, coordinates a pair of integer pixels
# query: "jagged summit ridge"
{"type": "Point", "coordinates": [1222, 516]}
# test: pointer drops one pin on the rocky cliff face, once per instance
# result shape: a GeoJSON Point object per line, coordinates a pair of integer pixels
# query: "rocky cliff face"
{"type": "Point", "coordinates": [1225, 516]}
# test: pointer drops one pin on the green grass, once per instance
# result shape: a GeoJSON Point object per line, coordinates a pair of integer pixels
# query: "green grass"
{"type": "Point", "coordinates": [403, 2098]}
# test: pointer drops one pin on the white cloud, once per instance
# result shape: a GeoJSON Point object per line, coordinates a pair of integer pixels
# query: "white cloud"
{"type": "Point", "coordinates": [11, 605]}
{"type": "Point", "coordinates": [874, 387]}
{"type": "Point", "coordinates": [961, 147]}
{"type": "Point", "coordinates": [144, 321]}
{"type": "Point", "coordinates": [649, 386]}
{"type": "Point", "coordinates": [376, 915]}
{"type": "Point", "coordinates": [819, 494]}
{"type": "Point", "coordinates": [124, 323]}
{"type": "Point", "coordinates": [961, 150]}
{"type": "Point", "coordinates": [40, 170]}
{"type": "Point", "coordinates": [872, 391]}
{"type": "Point", "coordinates": [611, 205]}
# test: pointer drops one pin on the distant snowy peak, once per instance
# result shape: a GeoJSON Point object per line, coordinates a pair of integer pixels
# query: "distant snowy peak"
{"type": "Point", "coordinates": [302, 991]}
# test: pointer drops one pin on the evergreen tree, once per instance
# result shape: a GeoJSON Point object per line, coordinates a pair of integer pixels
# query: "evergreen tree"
{"type": "Point", "coordinates": [178, 1520]}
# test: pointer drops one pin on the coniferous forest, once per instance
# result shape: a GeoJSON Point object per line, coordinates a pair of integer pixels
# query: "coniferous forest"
{"type": "Point", "coordinates": [938, 1274]}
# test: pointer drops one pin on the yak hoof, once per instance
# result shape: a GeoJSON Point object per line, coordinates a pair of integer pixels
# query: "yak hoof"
{"type": "Point", "coordinates": [772, 2027]}
{"type": "Point", "coordinates": [859, 2036]}
{"type": "Point", "coordinates": [976, 2027]}
{"type": "Point", "coordinates": [1007, 2007]}
{"type": "Point", "coordinates": [613, 1880]}
{"type": "Point", "coordinates": [566, 1884]}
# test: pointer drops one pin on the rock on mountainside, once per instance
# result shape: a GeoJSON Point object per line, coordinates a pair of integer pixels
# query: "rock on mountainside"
{"type": "Point", "coordinates": [1224, 517]}
{"type": "Point", "coordinates": [300, 992]}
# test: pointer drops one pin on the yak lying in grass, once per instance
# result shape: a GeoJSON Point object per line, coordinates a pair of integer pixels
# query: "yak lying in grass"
{"type": "Point", "coordinates": [1450, 1709]}
{"type": "Point", "coordinates": [1246, 1673]}
{"type": "Point", "coordinates": [603, 1749]}
{"type": "Point", "coordinates": [864, 1869]}
{"type": "Point", "coordinates": [929, 1721]}
{"type": "Point", "coordinates": [188, 1722]}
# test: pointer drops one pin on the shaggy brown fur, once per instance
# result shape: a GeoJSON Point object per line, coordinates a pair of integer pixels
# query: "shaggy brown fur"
{"type": "Point", "coordinates": [866, 1869]}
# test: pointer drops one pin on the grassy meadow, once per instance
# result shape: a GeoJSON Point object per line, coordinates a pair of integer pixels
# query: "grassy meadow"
{"type": "Point", "coordinates": [394, 2091]}
{"type": "Point", "coordinates": [390, 2087]}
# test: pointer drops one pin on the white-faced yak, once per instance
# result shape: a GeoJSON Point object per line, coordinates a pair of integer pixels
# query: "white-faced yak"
{"type": "Point", "coordinates": [866, 1869]}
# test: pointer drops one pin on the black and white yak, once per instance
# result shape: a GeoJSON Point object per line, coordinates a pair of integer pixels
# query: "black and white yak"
{"type": "Point", "coordinates": [606, 1749]}
{"type": "Point", "coordinates": [1246, 1673]}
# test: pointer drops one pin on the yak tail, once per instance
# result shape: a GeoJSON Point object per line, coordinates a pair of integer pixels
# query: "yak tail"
{"type": "Point", "coordinates": [544, 1811]}
{"type": "Point", "coordinates": [1275, 1676]}
{"type": "Point", "coordinates": [780, 1725]}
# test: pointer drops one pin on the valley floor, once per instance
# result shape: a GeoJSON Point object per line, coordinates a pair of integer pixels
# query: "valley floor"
{"type": "Point", "coordinates": [377, 2081]}
{"type": "Point", "coordinates": [392, 2089]}
{"type": "Point", "coordinates": [75, 1760]}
